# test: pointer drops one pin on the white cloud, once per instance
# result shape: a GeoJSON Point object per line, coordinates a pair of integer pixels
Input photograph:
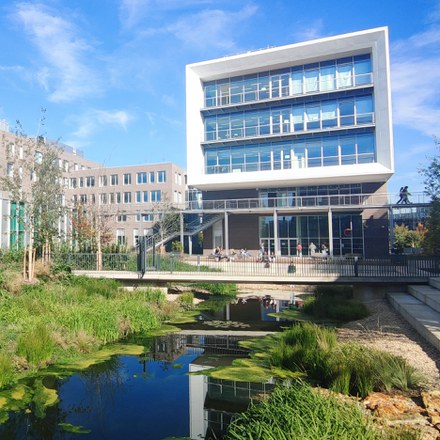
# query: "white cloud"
{"type": "Point", "coordinates": [311, 31]}
{"type": "Point", "coordinates": [61, 71]}
{"type": "Point", "coordinates": [211, 28]}
{"type": "Point", "coordinates": [415, 82]}
{"type": "Point", "coordinates": [92, 120]}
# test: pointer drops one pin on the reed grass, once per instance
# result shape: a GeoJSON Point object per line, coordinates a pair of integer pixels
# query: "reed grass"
{"type": "Point", "coordinates": [6, 368]}
{"type": "Point", "coordinates": [36, 344]}
{"type": "Point", "coordinates": [345, 368]}
{"type": "Point", "coordinates": [299, 412]}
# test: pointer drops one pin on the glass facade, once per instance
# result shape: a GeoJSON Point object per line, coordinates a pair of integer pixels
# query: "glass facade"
{"type": "Point", "coordinates": [305, 229]}
{"type": "Point", "coordinates": [318, 115]}
{"type": "Point", "coordinates": [311, 152]}
{"type": "Point", "coordinates": [319, 77]}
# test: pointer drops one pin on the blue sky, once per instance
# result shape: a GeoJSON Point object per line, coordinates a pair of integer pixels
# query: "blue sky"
{"type": "Point", "coordinates": [111, 73]}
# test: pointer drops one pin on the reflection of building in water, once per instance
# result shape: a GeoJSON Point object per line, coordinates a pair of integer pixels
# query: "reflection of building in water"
{"type": "Point", "coordinates": [250, 309]}
{"type": "Point", "coordinates": [168, 348]}
{"type": "Point", "coordinates": [214, 402]}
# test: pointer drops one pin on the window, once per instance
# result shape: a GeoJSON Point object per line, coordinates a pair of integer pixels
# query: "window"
{"type": "Point", "coordinates": [112, 198]}
{"type": "Point", "coordinates": [155, 196]}
{"type": "Point", "coordinates": [120, 237]}
{"type": "Point", "coordinates": [127, 179]}
{"type": "Point", "coordinates": [118, 197]}
{"type": "Point", "coordinates": [81, 182]}
{"type": "Point", "coordinates": [11, 150]}
{"type": "Point", "coordinates": [103, 199]}
{"type": "Point", "coordinates": [121, 218]}
{"type": "Point", "coordinates": [113, 179]}
{"type": "Point", "coordinates": [141, 178]}
{"type": "Point", "coordinates": [102, 180]}
{"type": "Point", "coordinates": [38, 157]}
{"type": "Point", "coordinates": [127, 197]}
{"type": "Point", "coordinates": [10, 169]}
{"type": "Point", "coordinates": [161, 176]}
{"type": "Point", "coordinates": [83, 198]}
{"type": "Point", "coordinates": [145, 196]}
{"type": "Point", "coordinates": [90, 181]}
{"type": "Point", "coordinates": [138, 196]}
{"type": "Point", "coordinates": [66, 165]}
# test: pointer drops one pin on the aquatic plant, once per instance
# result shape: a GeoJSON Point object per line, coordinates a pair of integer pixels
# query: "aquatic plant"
{"type": "Point", "coordinates": [313, 352]}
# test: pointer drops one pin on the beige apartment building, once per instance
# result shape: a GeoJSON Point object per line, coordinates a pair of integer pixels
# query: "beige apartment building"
{"type": "Point", "coordinates": [127, 195]}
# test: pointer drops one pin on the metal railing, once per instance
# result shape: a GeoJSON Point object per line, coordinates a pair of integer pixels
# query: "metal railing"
{"type": "Point", "coordinates": [317, 201]}
{"type": "Point", "coordinates": [212, 267]}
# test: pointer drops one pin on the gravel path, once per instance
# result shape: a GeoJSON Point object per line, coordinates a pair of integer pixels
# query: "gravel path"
{"type": "Point", "coordinates": [385, 330]}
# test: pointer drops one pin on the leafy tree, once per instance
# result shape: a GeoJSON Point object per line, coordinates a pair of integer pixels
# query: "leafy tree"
{"type": "Point", "coordinates": [34, 183]}
{"type": "Point", "coordinates": [407, 238]}
{"type": "Point", "coordinates": [431, 243]}
{"type": "Point", "coordinates": [431, 174]}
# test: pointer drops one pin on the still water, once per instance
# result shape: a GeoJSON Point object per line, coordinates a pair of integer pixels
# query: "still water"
{"type": "Point", "coordinates": [151, 396]}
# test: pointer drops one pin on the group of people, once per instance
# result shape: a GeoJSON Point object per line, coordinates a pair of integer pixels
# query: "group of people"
{"type": "Point", "coordinates": [403, 194]}
{"type": "Point", "coordinates": [313, 248]}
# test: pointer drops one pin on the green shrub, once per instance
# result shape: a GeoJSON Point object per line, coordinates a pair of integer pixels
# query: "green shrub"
{"type": "Point", "coordinates": [221, 289]}
{"type": "Point", "coordinates": [186, 300]}
{"type": "Point", "coordinates": [335, 303]}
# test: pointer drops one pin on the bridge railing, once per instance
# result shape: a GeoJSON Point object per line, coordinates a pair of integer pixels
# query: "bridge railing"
{"type": "Point", "coordinates": [211, 267]}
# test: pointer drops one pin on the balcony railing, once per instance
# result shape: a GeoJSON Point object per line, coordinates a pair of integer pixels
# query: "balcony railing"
{"type": "Point", "coordinates": [318, 201]}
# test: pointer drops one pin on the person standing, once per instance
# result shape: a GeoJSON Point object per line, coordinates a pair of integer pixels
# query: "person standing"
{"type": "Point", "coordinates": [400, 194]}
{"type": "Point", "coordinates": [312, 248]}
{"type": "Point", "coordinates": [299, 249]}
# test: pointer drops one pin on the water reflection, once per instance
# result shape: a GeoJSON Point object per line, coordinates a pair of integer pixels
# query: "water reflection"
{"type": "Point", "coordinates": [144, 397]}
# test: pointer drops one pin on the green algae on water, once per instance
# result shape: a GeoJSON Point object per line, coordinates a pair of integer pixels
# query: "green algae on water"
{"type": "Point", "coordinates": [68, 427]}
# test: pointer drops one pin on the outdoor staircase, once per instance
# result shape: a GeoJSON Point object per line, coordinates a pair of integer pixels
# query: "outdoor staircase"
{"type": "Point", "coordinates": [420, 306]}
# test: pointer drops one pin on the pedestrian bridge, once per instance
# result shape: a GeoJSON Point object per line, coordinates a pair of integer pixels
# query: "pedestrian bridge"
{"type": "Point", "coordinates": [396, 269]}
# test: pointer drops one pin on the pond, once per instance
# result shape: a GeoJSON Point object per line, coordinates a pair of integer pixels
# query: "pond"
{"type": "Point", "coordinates": [150, 396]}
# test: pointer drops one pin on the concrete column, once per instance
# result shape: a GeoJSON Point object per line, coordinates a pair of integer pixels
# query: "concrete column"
{"type": "Point", "coordinates": [226, 232]}
{"type": "Point", "coordinates": [330, 232]}
{"type": "Point", "coordinates": [275, 233]}
{"type": "Point", "coordinates": [190, 245]}
{"type": "Point", "coordinates": [181, 229]}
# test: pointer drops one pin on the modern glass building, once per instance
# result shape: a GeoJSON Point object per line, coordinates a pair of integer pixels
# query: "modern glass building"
{"type": "Point", "coordinates": [299, 130]}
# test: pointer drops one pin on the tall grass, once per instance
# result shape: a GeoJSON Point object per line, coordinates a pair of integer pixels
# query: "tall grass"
{"type": "Point", "coordinates": [299, 412]}
{"type": "Point", "coordinates": [6, 369]}
{"type": "Point", "coordinates": [36, 344]}
{"type": "Point", "coordinates": [57, 321]}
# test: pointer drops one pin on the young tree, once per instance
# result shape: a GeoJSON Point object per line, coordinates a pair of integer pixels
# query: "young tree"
{"type": "Point", "coordinates": [166, 219]}
{"type": "Point", "coordinates": [34, 183]}
{"type": "Point", "coordinates": [91, 227]}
